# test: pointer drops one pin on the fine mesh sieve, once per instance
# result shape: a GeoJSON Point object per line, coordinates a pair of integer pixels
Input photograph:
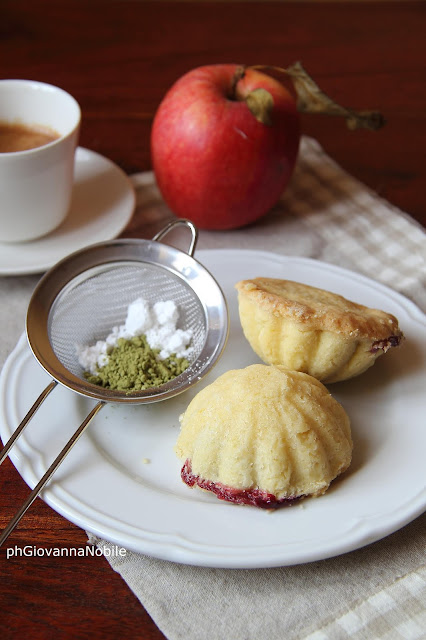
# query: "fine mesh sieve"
{"type": "Point", "coordinates": [88, 293]}
{"type": "Point", "coordinates": [85, 311]}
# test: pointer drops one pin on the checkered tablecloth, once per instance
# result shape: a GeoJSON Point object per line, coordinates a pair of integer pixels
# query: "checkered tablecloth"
{"type": "Point", "coordinates": [376, 592]}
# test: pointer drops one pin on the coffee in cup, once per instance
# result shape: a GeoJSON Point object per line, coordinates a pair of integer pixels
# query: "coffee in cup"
{"type": "Point", "coordinates": [15, 136]}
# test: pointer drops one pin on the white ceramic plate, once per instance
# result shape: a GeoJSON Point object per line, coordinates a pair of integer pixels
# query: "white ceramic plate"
{"type": "Point", "coordinates": [107, 486]}
{"type": "Point", "coordinates": [102, 204]}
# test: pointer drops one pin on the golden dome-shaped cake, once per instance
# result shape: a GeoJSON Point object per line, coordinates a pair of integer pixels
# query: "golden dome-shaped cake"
{"type": "Point", "coordinates": [264, 436]}
{"type": "Point", "coordinates": [313, 330]}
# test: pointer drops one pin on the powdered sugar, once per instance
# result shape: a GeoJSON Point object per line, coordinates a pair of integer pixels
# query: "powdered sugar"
{"type": "Point", "coordinates": [157, 323]}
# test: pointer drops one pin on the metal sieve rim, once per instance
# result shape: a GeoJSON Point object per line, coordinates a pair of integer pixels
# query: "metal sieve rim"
{"type": "Point", "coordinates": [121, 251]}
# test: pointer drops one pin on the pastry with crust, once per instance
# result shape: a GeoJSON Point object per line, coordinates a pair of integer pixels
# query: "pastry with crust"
{"type": "Point", "coordinates": [264, 436]}
{"type": "Point", "coordinates": [312, 330]}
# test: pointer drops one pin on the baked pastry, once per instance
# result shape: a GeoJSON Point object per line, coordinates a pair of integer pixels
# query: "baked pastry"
{"type": "Point", "coordinates": [264, 436]}
{"type": "Point", "coordinates": [313, 330]}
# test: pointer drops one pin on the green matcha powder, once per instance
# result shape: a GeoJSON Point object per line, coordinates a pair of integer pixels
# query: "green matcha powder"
{"type": "Point", "coordinates": [132, 366]}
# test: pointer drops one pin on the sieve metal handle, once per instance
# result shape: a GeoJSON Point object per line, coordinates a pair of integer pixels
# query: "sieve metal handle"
{"type": "Point", "coordinates": [51, 470]}
{"type": "Point", "coordinates": [43, 395]}
{"type": "Point", "coordinates": [176, 223]}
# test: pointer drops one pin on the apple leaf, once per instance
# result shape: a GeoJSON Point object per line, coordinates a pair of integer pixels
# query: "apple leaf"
{"type": "Point", "coordinates": [310, 99]}
{"type": "Point", "coordinates": [260, 102]}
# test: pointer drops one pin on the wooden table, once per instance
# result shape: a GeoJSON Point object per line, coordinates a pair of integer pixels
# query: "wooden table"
{"type": "Point", "coordinates": [118, 58]}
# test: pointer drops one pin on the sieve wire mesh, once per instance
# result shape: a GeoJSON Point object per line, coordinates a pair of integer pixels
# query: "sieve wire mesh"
{"type": "Point", "coordinates": [94, 302]}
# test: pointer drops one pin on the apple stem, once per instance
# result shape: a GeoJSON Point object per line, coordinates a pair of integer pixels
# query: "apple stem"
{"type": "Point", "coordinates": [259, 101]}
{"type": "Point", "coordinates": [310, 99]}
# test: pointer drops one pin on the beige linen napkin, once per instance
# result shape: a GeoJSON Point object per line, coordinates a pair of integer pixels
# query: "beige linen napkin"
{"type": "Point", "coordinates": [375, 592]}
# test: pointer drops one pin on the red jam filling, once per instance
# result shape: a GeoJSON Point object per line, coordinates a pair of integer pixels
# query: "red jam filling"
{"type": "Point", "coordinates": [385, 345]}
{"type": "Point", "coordinates": [255, 497]}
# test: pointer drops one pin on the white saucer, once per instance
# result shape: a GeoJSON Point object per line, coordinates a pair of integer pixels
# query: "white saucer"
{"type": "Point", "coordinates": [102, 204]}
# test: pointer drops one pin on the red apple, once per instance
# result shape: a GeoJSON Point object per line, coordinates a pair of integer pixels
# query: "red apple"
{"type": "Point", "coordinates": [224, 143]}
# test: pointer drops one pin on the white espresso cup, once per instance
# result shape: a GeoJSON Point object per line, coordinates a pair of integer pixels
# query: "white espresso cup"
{"type": "Point", "coordinates": [36, 184]}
